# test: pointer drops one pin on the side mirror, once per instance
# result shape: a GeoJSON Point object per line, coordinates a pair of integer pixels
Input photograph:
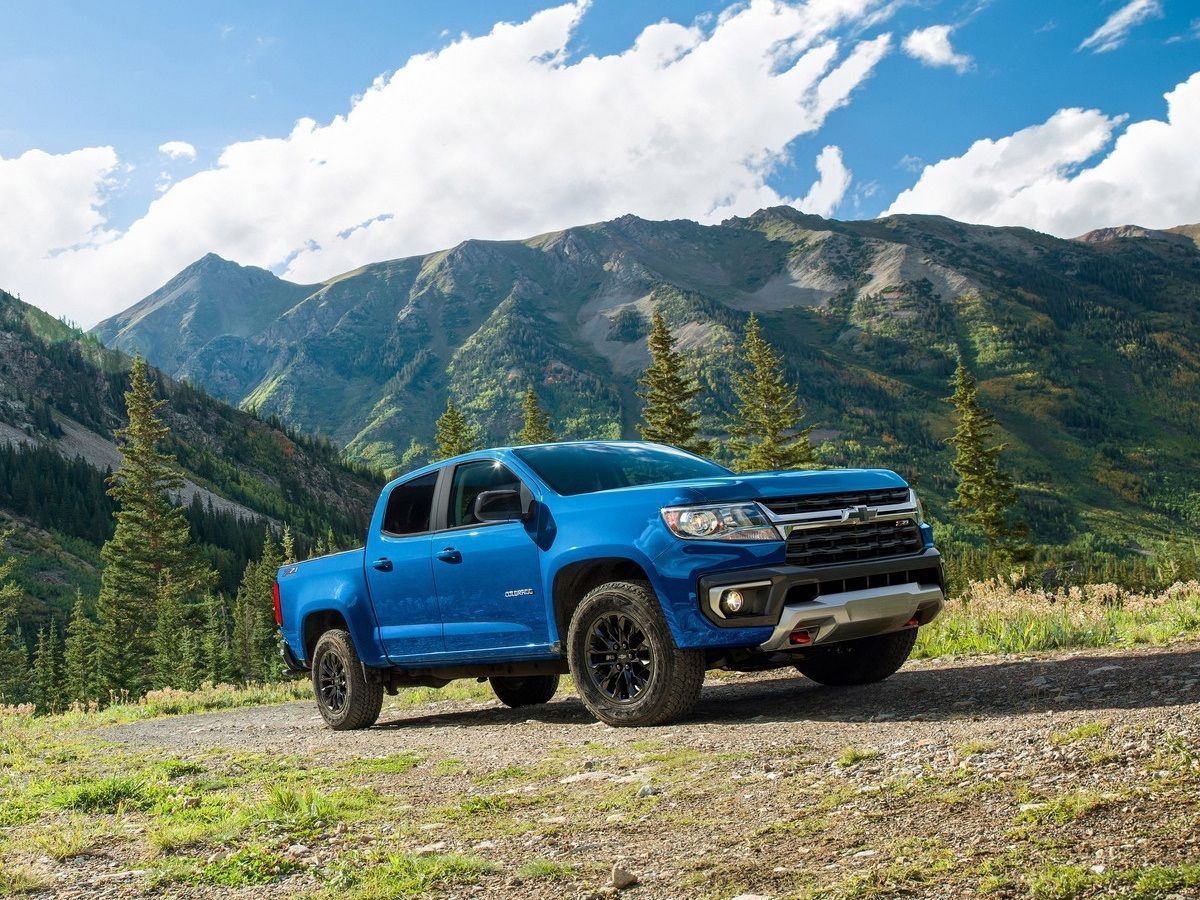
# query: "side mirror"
{"type": "Point", "coordinates": [503, 506]}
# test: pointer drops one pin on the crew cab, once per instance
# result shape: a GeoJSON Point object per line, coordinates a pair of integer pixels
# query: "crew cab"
{"type": "Point", "coordinates": [633, 566]}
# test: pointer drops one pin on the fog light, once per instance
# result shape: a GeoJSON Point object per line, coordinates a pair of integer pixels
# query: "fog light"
{"type": "Point", "coordinates": [732, 601]}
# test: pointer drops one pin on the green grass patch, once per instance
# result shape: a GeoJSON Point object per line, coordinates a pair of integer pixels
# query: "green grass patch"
{"type": "Point", "coordinates": [852, 756]}
{"type": "Point", "coordinates": [1079, 733]}
{"type": "Point", "coordinates": [113, 794]}
{"type": "Point", "coordinates": [246, 867]}
{"type": "Point", "coordinates": [1159, 881]}
{"type": "Point", "coordinates": [396, 764]}
{"type": "Point", "coordinates": [547, 870]}
{"type": "Point", "coordinates": [1061, 882]}
{"type": "Point", "coordinates": [400, 876]}
{"type": "Point", "coordinates": [1066, 808]}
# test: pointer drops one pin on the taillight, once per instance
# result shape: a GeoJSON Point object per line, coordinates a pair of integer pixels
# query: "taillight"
{"type": "Point", "coordinates": [278, 605]}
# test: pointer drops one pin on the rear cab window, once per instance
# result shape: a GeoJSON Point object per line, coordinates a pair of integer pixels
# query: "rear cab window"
{"type": "Point", "coordinates": [409, 506]}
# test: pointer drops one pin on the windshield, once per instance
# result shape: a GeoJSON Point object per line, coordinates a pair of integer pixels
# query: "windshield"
{"type": "Point", "coordinates": [584, 468]}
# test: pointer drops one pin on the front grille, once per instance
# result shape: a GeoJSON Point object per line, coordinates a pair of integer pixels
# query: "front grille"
{"type": "Point", "coordinates": [831, 544]}
{"type": "Point", "coordinates": [787, 506]}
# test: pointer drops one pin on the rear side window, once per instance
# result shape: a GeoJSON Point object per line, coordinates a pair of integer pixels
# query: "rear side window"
{"type": "Point", "coordinates": [472, 479]}
{"type": "Point", "coordinates": [409, 505]}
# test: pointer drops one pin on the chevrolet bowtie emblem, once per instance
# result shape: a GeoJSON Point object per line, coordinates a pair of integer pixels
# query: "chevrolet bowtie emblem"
{"type": "Point", "coordinates": [859, 513]}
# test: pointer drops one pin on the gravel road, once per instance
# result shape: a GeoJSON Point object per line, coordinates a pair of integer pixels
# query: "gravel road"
{"type": "Point", "coordinates": [1074, 774]}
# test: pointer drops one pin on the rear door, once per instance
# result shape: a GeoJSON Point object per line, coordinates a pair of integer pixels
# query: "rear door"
{"type": "Point", "coordinates": [400, 573]}
{"type": "Point", "coordinates": [487, 573]}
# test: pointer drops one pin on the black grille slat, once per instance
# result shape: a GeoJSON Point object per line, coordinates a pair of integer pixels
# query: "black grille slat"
{"type": "Point", "coordinates": [787, 506]}
{"type": "Point", "coordinates": [831, 544]}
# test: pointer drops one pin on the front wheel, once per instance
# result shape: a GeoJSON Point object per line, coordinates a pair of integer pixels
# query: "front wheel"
{"type": "Point", "coordinates": [624, 661]}
{"type": "Point", "coordinates": [345, 698]}
{"type": "Point", "coordinates": [861, 661]}
{"type": "Point", "coordinates": [524, 690]}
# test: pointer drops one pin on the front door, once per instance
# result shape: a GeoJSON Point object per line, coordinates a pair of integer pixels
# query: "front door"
{"type": "Point", "coordinates": [487, 573]}
{"type": "Point", "coordinates": [399, 570]}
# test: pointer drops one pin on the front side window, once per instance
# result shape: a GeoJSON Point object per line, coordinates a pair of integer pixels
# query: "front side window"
{"type": "Point", "coordinates": [472, 479]}
{"type": "Point", "coordinates": [409, 506]}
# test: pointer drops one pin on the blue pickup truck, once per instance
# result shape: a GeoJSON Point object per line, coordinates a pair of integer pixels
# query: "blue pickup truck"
{"type": "Point", "coordinates": [633, 566]}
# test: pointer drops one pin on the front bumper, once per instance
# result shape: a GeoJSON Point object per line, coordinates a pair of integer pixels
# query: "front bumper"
{"type": "Point", "coordinates": [822, 605]}
{"type": "Point", "coordinates": [855, 614]}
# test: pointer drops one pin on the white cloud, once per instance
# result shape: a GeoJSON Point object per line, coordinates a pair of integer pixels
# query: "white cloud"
{"type": "Point", "coordinates": [178, 150]}
{"type": "Point", "coordinates": [1116, 28]}
{"type": "Point", "coordinates": [498, 136]}
{"type": "Point", "coordinates": [932, 47]}
{"type": "Point", "coordinates": [1034, 177]}
{"type": "Point", "coordinates": [829, 189]}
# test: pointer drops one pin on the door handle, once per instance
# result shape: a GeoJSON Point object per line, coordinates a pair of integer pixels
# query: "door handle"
{"type": "Point", "coordinates": [449, 555]}
{"type": "Point", "coordinates": [383, 564]}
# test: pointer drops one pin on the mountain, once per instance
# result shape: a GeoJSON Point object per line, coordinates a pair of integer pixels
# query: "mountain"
{"type": "Point", "coordinates": [61, 397]}
{"type": "Point", "coordinates": [1088, 349]}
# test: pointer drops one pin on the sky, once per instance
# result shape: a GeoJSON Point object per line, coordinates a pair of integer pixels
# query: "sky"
{"type": "Point", "coordinates": [310, 138]}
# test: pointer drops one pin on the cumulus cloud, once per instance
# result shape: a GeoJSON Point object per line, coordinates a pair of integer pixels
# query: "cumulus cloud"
{"type": "Point", "coordinates": [1040, 177]}
{"type": "Point", "coordinates": [178, 150]}
{"type": "Point", "coordinates": [829, 189]}
{"type": "Point", "coordinates": [932, 47]}
{"type": "Point", "coordinates": [1116, 28]}
{"type": "Point", "coordinates": [502, 135]}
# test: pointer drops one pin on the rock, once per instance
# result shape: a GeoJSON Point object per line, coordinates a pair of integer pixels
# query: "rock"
{"type": "Point", "coordinates": [1098, 869]}
{"type": "Point", "coordinates": [648, 790]}
{"type": "Point", "coordinates": [484, 845]}
{"type": "Point", "coordinates": [593, 775]}
{"type": "Point", "coordinates": [430, 849]}
{"type": "Point", "coordinates": [553, 820]}
{"type": "Point", "coordinates": [862, 853]}
{"type": "Point", "coordinates": [296, 850]}
{"type": "Point", "coordinates": [622, 878]}
{"type": "Point", "coordinates": [751, 897]}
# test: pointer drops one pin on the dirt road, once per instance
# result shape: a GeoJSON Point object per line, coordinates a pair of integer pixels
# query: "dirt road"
{"type": "Point", "coordinates": [1075, 774]}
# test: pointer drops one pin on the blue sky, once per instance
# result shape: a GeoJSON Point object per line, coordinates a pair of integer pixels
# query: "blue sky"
{"type": "Point", "coordinates": [130, 77]}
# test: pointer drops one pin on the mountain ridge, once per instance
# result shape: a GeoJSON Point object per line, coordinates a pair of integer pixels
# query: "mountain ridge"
{"type": "Point", "coordinates": [1077, 343]}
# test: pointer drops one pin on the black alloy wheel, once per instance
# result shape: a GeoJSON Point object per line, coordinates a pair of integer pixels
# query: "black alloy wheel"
{"type": "Point", "coordinates": [619, 658]}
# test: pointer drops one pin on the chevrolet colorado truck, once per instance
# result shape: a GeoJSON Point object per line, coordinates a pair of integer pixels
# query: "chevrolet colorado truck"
{"type": "Point", "coordinates": [633, 566]}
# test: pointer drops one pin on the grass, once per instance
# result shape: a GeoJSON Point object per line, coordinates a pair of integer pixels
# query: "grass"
{"type": "Point", "coordinates": [1065, 808]}
{"type": "Point", "coordinates": [852, 756]}
{"type": "Point", "coordinates": [547, 870]}
{"type": "Point", "coordinates": [401, 875]}
{"type": "Point", "coordinates": [992, 617]}
{"type": "Point", "coordinates": [245, 867]}
{"type": "Point", "coordinates": [1079, 733]}
{"type": "Point", "coordinates": [107, 795]}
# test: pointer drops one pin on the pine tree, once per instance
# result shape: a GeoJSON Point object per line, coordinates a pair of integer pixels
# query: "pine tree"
{"type": "Point", "coordinates": [217, 654]}
{"type": "Point", "coordinates": [288, 546]}
{"type": "Point", "coordinates": [255, 638]}
{"type": "Point", "coordinates": [535, 427]}
{"type": "Point", "coordinates": [78, 678]}
{"type": "Point", "coordinates": [47, 685]}
{"type": "Point", "coordinates": [171, 667]}
{"type": "Point", "coordinates": [14, 658]}
{"type": "Point", "coordinates": [765, 432]}
{"type": "Point", "coordinates": [455, 435]}
{"type": "Point", "coordinates": [151, 540]}
{"type": "Point", "coordinates": [985, 493]}
{"type": "Point", "coordinates": [669, 395]}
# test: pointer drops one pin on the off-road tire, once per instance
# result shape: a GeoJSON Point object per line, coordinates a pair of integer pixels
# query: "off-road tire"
{"type": "Point", "coordinates": [861, 661]}
{"type": "Point", "coordinates": [361, 699]}
{"type": "Point", "coordinates": [672, 685]}
{"type": "Point", "coordinates": [524, 690]}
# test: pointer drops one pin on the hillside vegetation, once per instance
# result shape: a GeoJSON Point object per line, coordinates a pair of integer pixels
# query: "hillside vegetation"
{"type": "Point", "coordinates": [60, 400]}
{"type": "Point", "coordinates": [1088, 350]}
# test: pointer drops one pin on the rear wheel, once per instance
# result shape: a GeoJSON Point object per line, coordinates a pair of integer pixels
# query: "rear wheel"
{"type": "Point", "coordinates": [524, 690]}
{"type": "Point", "coordinates": [624, 661]}
{"type": "Point", "coordinates": [345, 698]}
{"type": "Point", "coordinates": [862, 661]}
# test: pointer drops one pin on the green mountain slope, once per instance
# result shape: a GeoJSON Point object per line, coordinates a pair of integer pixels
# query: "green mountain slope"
{"type": "Point", "coordinates": [61, 396]}
{"type": "Point", "coordinates": [1087, 349]}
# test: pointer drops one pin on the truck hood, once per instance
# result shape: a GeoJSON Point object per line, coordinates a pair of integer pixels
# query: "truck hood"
{"type": "Point", "coordinates": [768, 485]}
{"type": "Point", "coordinates": [758, 486]}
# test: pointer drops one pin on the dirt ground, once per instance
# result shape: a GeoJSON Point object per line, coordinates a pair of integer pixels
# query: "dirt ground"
{"type": "Point", "coordinates": [1064, 775]}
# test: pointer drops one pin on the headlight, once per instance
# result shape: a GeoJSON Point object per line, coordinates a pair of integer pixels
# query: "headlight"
{"type": "Point", "coordinates": [733, 522]}
{"type": "Point", "coordinates": [920, 509]}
